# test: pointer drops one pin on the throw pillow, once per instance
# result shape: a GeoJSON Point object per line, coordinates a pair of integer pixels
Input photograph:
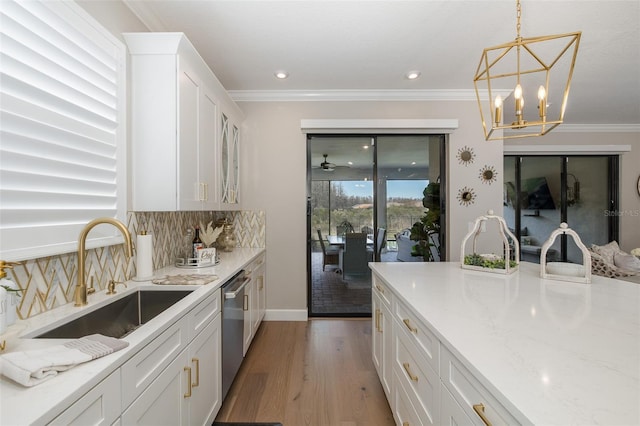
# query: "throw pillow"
{"type": "Point", "coordinates": [607, 251]}
{"type": "Point", "coordinates": [627, 262]}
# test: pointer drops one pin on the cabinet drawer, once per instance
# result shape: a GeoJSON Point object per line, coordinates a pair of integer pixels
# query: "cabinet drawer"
{"type": "Point", "coordinates": [381, 289]}
{"type": "Point", "coordinates": [146, 365]}
{"type": "Point", "coordinates": [472, 396]}
{"type": "Point", "coordinates": [204, 313]}
{"type": "Point", "coordinates": [404, 412]}
{"type": "Point", "coordinates": [415, 374]}
{"type": "Point", "coordinates": [417, 332]}
{"type": "Point", "coordinates": [254, 265]}
{"type": "Point", "coordinates": [99, 406]}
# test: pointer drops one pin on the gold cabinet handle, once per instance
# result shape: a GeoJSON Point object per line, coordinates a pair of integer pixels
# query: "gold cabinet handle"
{"type": "Point", "coordinates": [377, 321]}
{"type": "Point", "coordinates": [409, 373]}
{"type": "Point", "coordinates": [380, 289]}
{"type": "Point", "coordinates": [197, 362]}
{"type": "Point", "coordinates": [479, 409]}
{"type": "Point", "coordinates": [245, 305]}
{"type": "Point", "coordinates": [188, 393]}
{"type": "Point", "coordinates": [409, 326]}
{"type": "Point", "coordinates": [405, 424]}
{"type": "Point", "coordinates": [380, 321]}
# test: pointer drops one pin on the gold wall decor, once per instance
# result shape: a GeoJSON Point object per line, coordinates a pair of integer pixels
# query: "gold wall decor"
{"type": "Point", "coordinates": [465, 155]}
{"type": "Point", "coordinates": [488, 174]}
{"type": "Point", "coordinates": [466, 196]}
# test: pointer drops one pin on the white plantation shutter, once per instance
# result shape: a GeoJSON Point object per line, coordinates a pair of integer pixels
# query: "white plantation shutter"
{"type": "Point", "coordinates": [62, 129]}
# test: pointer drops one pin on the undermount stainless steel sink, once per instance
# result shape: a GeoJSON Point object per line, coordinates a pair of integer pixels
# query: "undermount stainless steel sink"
{"type": "Point", "coordinates": [120, 317]}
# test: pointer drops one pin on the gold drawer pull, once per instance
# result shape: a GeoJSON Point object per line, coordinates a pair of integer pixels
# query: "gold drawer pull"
{"type": "Point", "coordinates": [188, 370]}
{"type": "Point", "coordinates": [409, 326]}
{"type": "Point", "coordinates": [380, 289]}
{"type": "Point", "coordinates": [479, 409]}
{"type": "Point", "coordinates": [197, 362]}
{"type": "Point", "coordinates": [405, 424]}
{"type": "Point", "coordinates": [409, 373]}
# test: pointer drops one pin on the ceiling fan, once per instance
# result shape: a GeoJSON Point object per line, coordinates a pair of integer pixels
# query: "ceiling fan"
{"type": "Point", "coordinates": [327, 166]}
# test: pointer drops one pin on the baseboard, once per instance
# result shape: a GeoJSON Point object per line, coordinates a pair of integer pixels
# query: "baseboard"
{"type": "Point", "coordinates": [286, 315]}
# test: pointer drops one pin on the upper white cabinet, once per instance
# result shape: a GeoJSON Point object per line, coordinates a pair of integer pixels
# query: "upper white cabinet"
{"type": "Point", "coordinates": [230, 164]}
{"type": "Point", "coordinates": [177, 105]}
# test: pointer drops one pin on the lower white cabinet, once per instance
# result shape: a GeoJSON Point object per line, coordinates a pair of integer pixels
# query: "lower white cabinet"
{"type": "Point", "coordinates": [254, 300]}
{"type": "Point", "coordinates": [99, 406]}
{"type": "Point", "coordinates": [450, 411]}
{"type": "Point", "coordinates": [428, 384]}
{"type": "Point", "coordinates": [188, 391]}
{"type": "Point", "coordinates": [382, 336]}
{"type": "Point", "coordinates": [162, 403]}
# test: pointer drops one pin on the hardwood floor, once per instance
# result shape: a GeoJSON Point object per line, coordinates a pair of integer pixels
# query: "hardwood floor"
{"type": "Point", "coordinates": [317, 373]}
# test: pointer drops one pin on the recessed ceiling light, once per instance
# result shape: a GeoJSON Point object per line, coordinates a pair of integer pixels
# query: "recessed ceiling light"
{"type": "Point", "coordinates": [281, 74]}
{"type": "Point", "coordinates": [350, 163]}
{"type": "Point", "coordinates": [412, 75]}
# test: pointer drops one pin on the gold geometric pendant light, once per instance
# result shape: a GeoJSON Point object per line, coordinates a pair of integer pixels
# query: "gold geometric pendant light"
{"type": "Point", "coordinates": [522, 86]}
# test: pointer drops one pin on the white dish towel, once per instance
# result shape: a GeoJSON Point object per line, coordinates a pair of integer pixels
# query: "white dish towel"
{"type": "Point", "coordinates": [32, 367]}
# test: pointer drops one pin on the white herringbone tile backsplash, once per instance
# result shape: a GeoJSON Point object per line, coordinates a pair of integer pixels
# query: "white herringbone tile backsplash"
{"type": "Point", "coordinates": [49, 282]}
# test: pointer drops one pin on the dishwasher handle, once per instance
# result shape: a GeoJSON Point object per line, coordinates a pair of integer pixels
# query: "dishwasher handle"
{"type": "Point", "coordinates": [235, 288]}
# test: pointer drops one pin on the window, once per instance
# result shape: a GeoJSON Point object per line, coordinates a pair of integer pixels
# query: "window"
{"type": "Point", "coordinates": [62, 129]}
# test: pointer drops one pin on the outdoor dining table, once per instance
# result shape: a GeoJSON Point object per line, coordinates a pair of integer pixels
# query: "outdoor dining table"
{"type": "Point", "coordinates": [338, 240]}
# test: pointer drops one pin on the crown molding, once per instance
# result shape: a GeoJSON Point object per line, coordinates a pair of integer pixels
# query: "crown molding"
{"type": "Point", "coordinates": [565, 149]}
{"type": "Point", "coordinates": [598, 128]}
{"type": "Point", "coordinates": [351, 95]}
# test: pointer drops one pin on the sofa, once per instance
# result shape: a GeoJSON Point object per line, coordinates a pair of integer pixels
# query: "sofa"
{"type": "Point", "coordinates": [607, 261]}
{"type": "Point", "coordinates": [405, 246]}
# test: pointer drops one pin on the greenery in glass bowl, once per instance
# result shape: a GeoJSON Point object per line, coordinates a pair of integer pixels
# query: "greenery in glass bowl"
{"type": "Point", "coordinates": [484, 262]}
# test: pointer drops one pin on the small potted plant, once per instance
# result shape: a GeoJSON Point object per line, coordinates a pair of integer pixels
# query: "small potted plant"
{"type": "Point", "coordinates": [426, 231]}
{"type": "Point", "coordinates": [505, 264]}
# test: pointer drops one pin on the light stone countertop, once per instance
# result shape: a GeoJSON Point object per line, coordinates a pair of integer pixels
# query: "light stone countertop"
{"type": "Point", "coordinates": [553, 353]}
{"type": "Point", "coordinates": [40, 404]}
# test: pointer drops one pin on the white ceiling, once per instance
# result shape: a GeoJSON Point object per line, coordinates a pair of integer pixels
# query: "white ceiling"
{"type": "Point", "coordinates": [370, 45]}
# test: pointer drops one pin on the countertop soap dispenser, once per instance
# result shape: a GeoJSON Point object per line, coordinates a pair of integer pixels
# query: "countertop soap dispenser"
{"type": "Point", "coordinates": [8, 295]}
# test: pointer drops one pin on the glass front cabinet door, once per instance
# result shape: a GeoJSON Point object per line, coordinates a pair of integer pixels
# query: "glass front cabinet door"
{"type": "Point", "coordinates": [230, 164]}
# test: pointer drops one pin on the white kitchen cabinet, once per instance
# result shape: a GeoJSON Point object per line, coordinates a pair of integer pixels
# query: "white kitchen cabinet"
{"type": "Point", "coordinates": [474, 399]}
{"type": "Point", "coordinates": [163, 402]}
{"type": "Point", "coordinates": [252, 304]}
{"type": "Point", "coordinates": [188, 390]}
{"type": "Point", "coordinates": [382, 335]}
{"type": "Point", "coordinates": [429, 385]}
{"type": "Point", "coordinates": [99, 406]}
{"type": "Point", "coordinates": [176, 108]}
{"type": "Point", "coordinates": [450, 411]}
{"type": "Point", "coordinates": [205, 357]}
{"type": "Point", "coordinates": [229, 164]}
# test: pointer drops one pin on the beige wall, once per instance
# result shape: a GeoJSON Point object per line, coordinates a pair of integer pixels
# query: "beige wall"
{"type": "Point", "coordinates": [274, 176]}
{"type": "Point", "coordinates": [274, 167]}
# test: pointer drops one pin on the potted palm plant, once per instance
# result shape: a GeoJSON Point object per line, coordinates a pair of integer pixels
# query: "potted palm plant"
{"type": "Point", "coordinates": [427, 230]}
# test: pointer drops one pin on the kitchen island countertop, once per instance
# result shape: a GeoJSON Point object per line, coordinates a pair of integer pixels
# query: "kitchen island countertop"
{"type": "Point", "coordinates": [551, 352]}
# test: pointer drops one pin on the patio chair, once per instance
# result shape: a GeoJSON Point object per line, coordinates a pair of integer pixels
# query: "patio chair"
{"type": "Point", "coordinates": [354, 258]}
{"type": "Point", "coordinates": [381, 242]}
{"type": "Point", "coordinates": [330, 255]}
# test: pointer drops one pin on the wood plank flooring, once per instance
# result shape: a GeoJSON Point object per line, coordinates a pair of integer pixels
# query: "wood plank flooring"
{"type": "Point", "coordinates": [316, 373]}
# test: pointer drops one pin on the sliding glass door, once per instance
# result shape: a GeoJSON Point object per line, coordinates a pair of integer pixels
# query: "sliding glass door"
{"type": "Point", "coordinates": [541, 192]}
{"type": "Point", "coordinates": [372, 186]}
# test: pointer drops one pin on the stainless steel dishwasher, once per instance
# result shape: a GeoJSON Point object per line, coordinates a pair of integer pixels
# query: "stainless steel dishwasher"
{"type": "Point", "coordinates": [232, 328]}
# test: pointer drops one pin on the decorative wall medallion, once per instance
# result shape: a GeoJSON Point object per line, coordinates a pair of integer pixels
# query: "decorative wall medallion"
{"type": "Point", "coordinates": [466, 196]}
{"type": "Point", "coordinates": [488, 174]}
{"type": "Point", "coordinates": [465, 155]}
